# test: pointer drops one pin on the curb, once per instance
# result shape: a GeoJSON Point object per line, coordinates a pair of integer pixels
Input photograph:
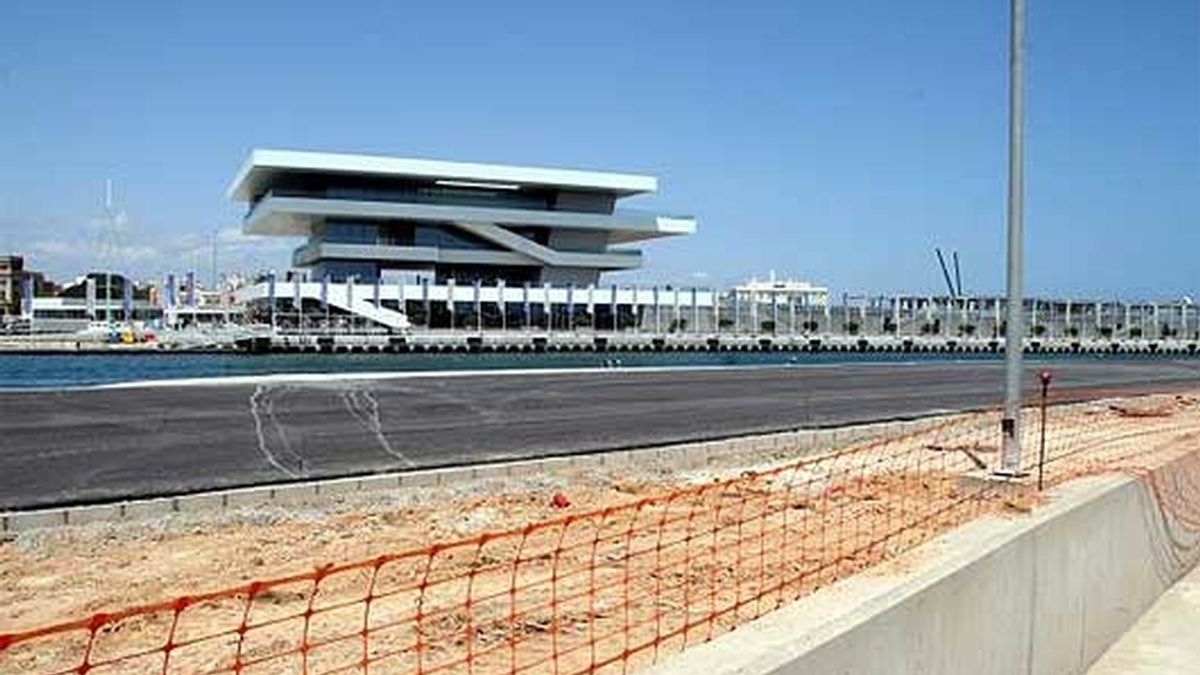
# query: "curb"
{"type": "Point", "coordinates": [676, 456]}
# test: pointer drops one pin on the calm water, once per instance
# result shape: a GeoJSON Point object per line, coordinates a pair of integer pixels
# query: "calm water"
{"type": "Point", "coordinates": [19, 371]}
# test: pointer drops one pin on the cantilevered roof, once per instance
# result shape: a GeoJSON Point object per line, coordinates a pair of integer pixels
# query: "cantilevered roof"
{"type": "Point", "coordinates": [263, 165]}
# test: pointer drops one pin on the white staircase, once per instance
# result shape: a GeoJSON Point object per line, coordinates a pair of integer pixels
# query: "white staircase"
{"type": "Point", "coordinates": [360, 303]}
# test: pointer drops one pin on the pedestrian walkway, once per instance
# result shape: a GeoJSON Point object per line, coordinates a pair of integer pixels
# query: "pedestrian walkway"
{"type": "Point", "coordinates": [1165, 641]}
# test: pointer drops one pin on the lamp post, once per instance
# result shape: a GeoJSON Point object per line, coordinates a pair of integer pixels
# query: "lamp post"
{"type": "Point", "coordinates": [1010, 452]}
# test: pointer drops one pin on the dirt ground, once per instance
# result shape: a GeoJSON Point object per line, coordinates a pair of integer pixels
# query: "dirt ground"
{"type": "Point", "coordinates": [637, 565]}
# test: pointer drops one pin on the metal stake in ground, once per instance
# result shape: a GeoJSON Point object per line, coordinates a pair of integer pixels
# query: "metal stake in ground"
{"type": "Point", "coordinates": [1044, 377]}
{"type": "Point", "coordinates": [1010, 449]}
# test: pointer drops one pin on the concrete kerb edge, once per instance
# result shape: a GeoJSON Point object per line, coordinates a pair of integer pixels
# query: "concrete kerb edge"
{"type": "Point", "coordinates": [686, 456]}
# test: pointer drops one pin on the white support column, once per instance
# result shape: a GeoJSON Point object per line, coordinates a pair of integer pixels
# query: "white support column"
{"type": "Point", "coordinates": [271, 300]}
{"type": "Point", "coordinates": [526, 308]}
{"type": "Point", "coordinates": [325, 298]}
{"type": "Point", "coordinates": [298, 301]}
{"type": "Point", "coordinates": [774, 312]}
{"type": "Point", "coordinates": [571, 307]}
{"type": "Point", "coordinates": [716, 312]}
{"type": "Point", "coordinates": [613, 308]}
{"type": "Point", "coordinates": [477, 297]}
{"type": "Point", "coordinates": [635, 306]}
{"type": "Point", "coordinates": [657, 312]}
{"type": "Point", "coordinates": [502, 304]}
{"type": "Point", "coordinates": [678, 316]}
{"type": "Point", "coordinates": [591, 306]}
{"type": "Point", "coordinates": [695, 310]}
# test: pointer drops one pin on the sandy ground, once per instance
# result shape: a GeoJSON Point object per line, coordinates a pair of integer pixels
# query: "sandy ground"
{"type": "Point", "coordinates": [638, 565]}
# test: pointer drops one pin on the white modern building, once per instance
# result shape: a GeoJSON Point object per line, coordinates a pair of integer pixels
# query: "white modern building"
{"type": "Point", "coordinates": [385, 237]}
{"type": "Point", "coordinates": [367, 216]}
{"type": "Point", "coordinates": [784, 292]}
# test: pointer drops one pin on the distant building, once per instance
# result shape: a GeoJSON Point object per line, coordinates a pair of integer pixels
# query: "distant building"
{"type": "Point", "coordinates": [784, 292]}
{"type": "Point", "coordinates": [12, 270]}
{"type": "Point", "coordinates": [367, 217]}
{"type": "Point", "coordinates": [394, 242]}
{"type": "Point", "coordinates": [95, 296]}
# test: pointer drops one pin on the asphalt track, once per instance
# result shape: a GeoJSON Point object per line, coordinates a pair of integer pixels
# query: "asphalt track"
{"type": "Point", "coordinates": [90, 445]}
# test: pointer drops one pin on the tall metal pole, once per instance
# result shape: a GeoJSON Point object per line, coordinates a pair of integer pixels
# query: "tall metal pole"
{"type": "Point", "coordinates": [1010, 456]}
{"type": "Point", "coordinates": [1044, 377]}
{"type": "Point", "coordinates": [215, 234]}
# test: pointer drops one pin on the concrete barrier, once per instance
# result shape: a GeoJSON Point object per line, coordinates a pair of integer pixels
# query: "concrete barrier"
{"type": "Point", "coordinates": [1039, 594]}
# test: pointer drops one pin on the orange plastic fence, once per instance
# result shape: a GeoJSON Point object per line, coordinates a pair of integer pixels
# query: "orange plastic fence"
{"type": "Point", "coordinates": [610, 589]}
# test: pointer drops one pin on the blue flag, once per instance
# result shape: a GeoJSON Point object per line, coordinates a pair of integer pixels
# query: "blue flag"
{"type": "Point", "coordinates": [27, 295]}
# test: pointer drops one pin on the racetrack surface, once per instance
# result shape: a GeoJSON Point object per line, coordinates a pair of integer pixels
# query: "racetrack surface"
{"type": "Point", "coordinates": [75, 446]}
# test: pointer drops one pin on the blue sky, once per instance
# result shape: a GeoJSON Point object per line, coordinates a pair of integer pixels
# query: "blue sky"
{"type": "Point", "coordinates": [835, 141]}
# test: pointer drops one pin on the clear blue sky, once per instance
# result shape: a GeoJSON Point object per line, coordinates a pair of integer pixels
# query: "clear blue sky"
{"type": "Point", "coordinates": [837, 141]}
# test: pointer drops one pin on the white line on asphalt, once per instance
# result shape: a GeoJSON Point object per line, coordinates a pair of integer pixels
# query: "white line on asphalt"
{"type": "Point", "coordinates": [280, 378]}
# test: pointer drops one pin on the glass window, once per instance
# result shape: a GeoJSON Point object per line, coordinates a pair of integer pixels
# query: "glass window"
{"type": "Point", "coordinates": [540, 235]}
{"type": "Point", "coordinates": [341, 232]}
{"type": "Point", "coordinates": [439, 236]}
{"type": "Point", "coordinates": [340, 270]}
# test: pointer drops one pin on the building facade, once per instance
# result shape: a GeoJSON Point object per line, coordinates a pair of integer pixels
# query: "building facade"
{"type": "Point", "coordinates": [12, 270]}
{"type": "Point", "coordinates": [782, 292]}
{"type": "Point", "coordinates": [366, 217]}
{"type": "Point", "coordinates": [107, 297]}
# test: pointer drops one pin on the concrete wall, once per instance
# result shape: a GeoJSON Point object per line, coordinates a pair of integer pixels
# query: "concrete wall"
{"type": "Point", "coordinates": [1042, 594]}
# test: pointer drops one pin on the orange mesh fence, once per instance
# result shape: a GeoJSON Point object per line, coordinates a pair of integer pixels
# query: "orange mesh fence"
{"type": "Point", "coordinates": [615, 588]}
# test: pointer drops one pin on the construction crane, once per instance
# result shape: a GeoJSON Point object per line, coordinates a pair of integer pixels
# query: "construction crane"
{"type": "Point", "coordinates": [955, 290]}
{"type": "Point", "coordinates": [954, 286]}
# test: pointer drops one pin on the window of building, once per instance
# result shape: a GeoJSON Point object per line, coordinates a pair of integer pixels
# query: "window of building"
{"type": "Point", "coordinates": [488, 275]}
{"type": "Point", "coordinates": [397, 234]}
{"type": "Point", "coordinates": [448, 236]}
{"type": "Point", "coordinates": [412, 191]}
{"type": "Point", "coordinates": [539, 235]}
{"type": "Point", "coordinates": [347, 232]}
{"type": "Point", "coordinates": [339, 271]}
